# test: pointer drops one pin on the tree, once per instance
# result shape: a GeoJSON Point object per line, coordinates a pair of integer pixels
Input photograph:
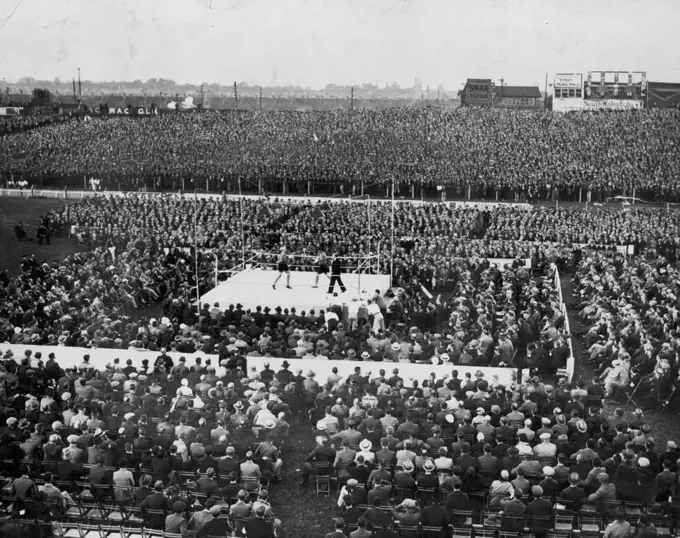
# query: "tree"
{"type": "Point", "coordinates": [41, 96]}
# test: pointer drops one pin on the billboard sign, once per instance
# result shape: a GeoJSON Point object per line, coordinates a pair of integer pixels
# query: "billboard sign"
{"type": "Point", "coordinates": [478, 91]}
{"type": "Point", "coordinates": [132, 111]}
{"type": "Point", "coordinates": [518, 102]}
{"type": "Point", "coordinates": [10, 111]}
{"type": "Point", "coordinates": [615, 84]}
{"type": "Point", "coordinates": [569, 105]}
{"type": "Point", "coordinates": [568, 80]}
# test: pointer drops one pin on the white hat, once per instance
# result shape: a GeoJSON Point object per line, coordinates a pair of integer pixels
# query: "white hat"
{"type": "Point", "coordinates": [365, 445]}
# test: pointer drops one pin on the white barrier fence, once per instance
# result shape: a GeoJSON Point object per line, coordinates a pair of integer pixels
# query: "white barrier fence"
{"type": "Point", "coordinates": [69, 357]}
{"type": "Point", "coordinates": [571, 361]}
{"type": "Point", "coordinates": [80, 194]}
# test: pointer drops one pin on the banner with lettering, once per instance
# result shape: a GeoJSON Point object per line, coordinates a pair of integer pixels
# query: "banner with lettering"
{"type": "Point", "coordinates": [132, 111]}
{"type": "Point", "coordinates": [569, 105]}
{"type": "Point", "coordinates": [568, 80]}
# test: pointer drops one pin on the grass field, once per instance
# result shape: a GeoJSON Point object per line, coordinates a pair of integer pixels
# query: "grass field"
{"type": "Point", "coordinates": [304, 514]}
{"type": "Point", "coordinates": [15, 210]}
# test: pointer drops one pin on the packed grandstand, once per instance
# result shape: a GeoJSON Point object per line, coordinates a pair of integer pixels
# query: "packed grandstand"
{"type": "Point", "coordinates": [527, 155]}
{"type": "Point", "coordinates": [190, 423]}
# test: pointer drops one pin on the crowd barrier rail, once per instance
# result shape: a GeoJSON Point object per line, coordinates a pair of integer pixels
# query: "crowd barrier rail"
{"type": "Point", "coordinates": [69, 357]}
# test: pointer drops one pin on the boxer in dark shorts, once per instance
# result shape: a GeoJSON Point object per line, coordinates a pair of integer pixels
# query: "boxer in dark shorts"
{"type": "Point", "coordinates": [321, 268]}
{"type": "Point", "coordinates": [282, 267]}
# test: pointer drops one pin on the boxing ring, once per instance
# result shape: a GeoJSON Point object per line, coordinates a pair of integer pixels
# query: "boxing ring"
{"type": "Point", "coordinates": [250, 283]}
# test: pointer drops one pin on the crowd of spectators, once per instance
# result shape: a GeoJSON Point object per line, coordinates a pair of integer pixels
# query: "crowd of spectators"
{"type": "Point", "coordinates": [12, 125]}
{"type": "Point", "coordinates": [195, 446]}
{"type": "Point", "coordinates": [518, 154]}
{"type": "Point", "coordinates": [630, 311]}
{"type": "Point", "coordinates": [139, 243]}
{"type": "Point", "coordinates": [187, 448]}
{"type": "Point", "coordinates": [143, 244]}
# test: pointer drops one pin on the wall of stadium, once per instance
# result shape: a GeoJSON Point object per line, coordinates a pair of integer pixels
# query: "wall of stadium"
{"type": "Point", "coordinates": [570, 105]}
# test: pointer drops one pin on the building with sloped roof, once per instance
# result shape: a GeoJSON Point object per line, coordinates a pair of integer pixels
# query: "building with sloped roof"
{"type": "Point", "coordinates": [517, 97]}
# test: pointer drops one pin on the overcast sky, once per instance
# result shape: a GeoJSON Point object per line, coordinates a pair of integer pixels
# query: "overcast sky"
{"type": "Point", "coordinates": [314, 42]}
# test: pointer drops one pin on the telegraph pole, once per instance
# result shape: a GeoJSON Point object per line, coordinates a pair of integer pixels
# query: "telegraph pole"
{"type": "Point", "coordinates": [351, 98]}
{"type": "Point", "coordinates": [235, 97]}
{"type": "Point", "coordinates": [80, 89]}
{"type": "Point", "coordinates": [260, 98]}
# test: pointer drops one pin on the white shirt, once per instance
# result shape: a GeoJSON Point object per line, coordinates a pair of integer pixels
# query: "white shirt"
{"type": "Point", "coordinates": [373, 309]}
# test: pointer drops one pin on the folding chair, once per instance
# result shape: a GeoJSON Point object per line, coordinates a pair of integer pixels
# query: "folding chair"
{"type": "Point", "coordinates": [399, 494]}
{"type": "Point", "coordinates": [426, 496]}
{"type": "Point", "coordinates": [512, 524]}
{"type": "Point", "coordinates": [431, 532]}
{"type": "Point", "coordinates": [630, 394]}
{"type": "Point", "coordinates": [112, 512]}
{"type": "Point", "coordinates": [67, 529]}
{"type": "Point", "coordinates": [480, 531]}
{"type": "Point", "coordinates": [132, 516]}
{"type": "Point", "coordinates": [462, 518]}
{"type": "Point", "coordinates": [541, 525]}
{"type": "Point", "coordinates": [322, 478]}
{"type": "Point", "coordinates": [157, 515]}
{"type": "Point", "coordinates": [563, 523]}
{"type": "Point", "coordinates": [153, 533]}
{"type": "Point", "coordinates": [461, 532]}
{"type": "Point", "coordinates": [590, 526]}
{"type": "Point", "coordinates": [408, 531]}
{"type": "Point", "coordinates": [74, 511]}
{"type": "Point", "coordinates": [89, 531]}
{"type": "Point", "coordinates": [558, 534]}
{"type": "Point", "coordinates": [128, 532]}
{"type": "Point", "coordinates": [110, 531]}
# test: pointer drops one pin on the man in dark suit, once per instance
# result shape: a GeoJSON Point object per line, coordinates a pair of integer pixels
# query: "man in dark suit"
{"type": "Point", "coordinates": [228, 464]}
{"type": "Point", "coordinates": [403, 479]}
{"type": "Point", "coordinates": [457, 501]}
{"type": "Point", "coordinates": [100, 476]}
{"type": "Point", "coordinates": [539, 513]}
{"type": "Point", "coordinates": [573, 494]}
{"type": "Point", "coordinates": [351, 513]}
{"type": "Point", "coordinates": [217, 526]}
{"type": "Point", "coordinates": [67, 469]}
{"type": "Point", "coordinates": [465, 460]}
{"type": "Point", "coordinates": [377, 517]}
{"type": "Point", "coordinates": [339, 528]}
{"type": "Point", "coordinates": [435, 515]}
{"type": "Point", "coordinates": [428, 481]}
{"type": "Point", "coordinates": [380, 491]}
{"type": "Point", "coordinates": [156, 501]}
{"type": "Point", "coordinates": [514, 511]}
{"type": "Point", "coordinates": [207, 461]}
{"type": "Point", "coordinates": [323, 453]}
{"type": "Point", "coordinates": [258, 527]}
{"type": "Point", "coordinates": [207, 483]}
{"type": "Point", "coordinates": [336, 272]}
